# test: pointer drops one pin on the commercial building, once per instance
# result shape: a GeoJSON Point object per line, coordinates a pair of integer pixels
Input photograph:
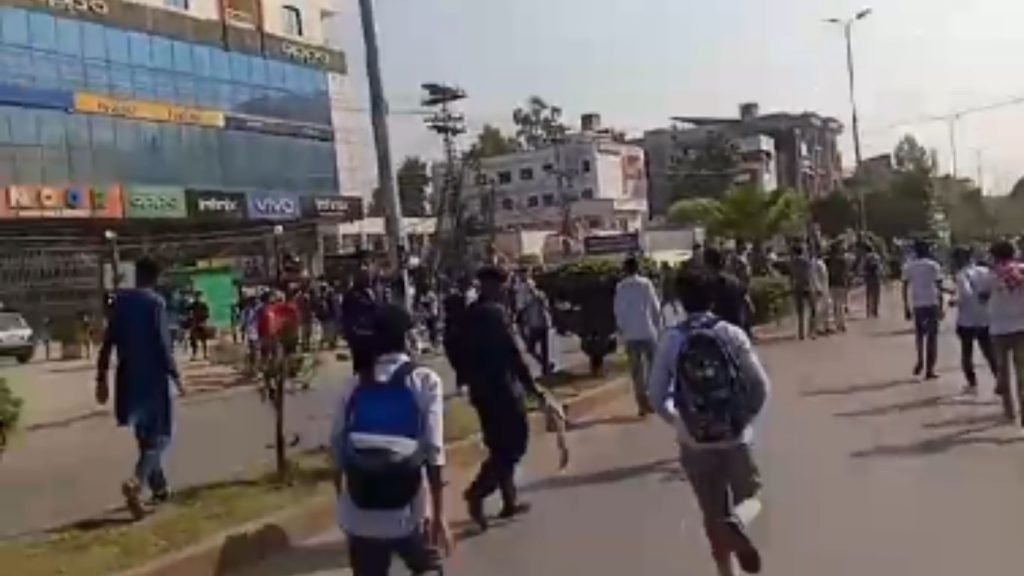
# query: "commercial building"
{"type": "Point", "coordinates": [803, 149]}
{"type": "Point", "coordinates": [589, 179]}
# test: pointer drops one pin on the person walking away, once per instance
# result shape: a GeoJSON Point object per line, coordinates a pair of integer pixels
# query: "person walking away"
{"type": "Point", "coordinates": [454, 308]}
{"type": "Point", "coordinates": [822, 297]}
{"type": "Point", "coordinates": [730, 296]}
{"type": "Point", "coordinates": [498, 380]}
{"type": "Point", "coordinates": [145, 370]}
{"type": "Point", "coordinates": [430, 310]}
{"type": "Point", "coordinates": [922, 303]}
{"type": "Point", "coordinates": [199, 326]}
{"type": "Point", "coordinates": [803, 297]}
{"type": "Point", "coordinates": [387, 433]}
{"type": "Point", "coordinates": [872, 281]}
{"type": "Point", "coordinates": [537, 327]}
{"type": "Point", "coordinates": [639, 320]}
{"type": "Point", "coordinates": [838, 267]}
{"type": "Point", "coordinates": [972, 322]}
{"type": "Point", "coordinates": [1004, 285]}
{"type": "Point", "coordinates": [357, 310]}
{"type": "Point", "coordinates": [250, 333]}
{"type": "Point", "coordinates": [709, 385]}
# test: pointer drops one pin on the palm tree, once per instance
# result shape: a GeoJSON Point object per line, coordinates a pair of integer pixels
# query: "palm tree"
{"type": "Point", "coordinates": [744, 212]}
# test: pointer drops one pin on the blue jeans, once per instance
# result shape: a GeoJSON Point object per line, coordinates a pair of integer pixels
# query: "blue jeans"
{"type": "Point", "coordinates": [149, 469]}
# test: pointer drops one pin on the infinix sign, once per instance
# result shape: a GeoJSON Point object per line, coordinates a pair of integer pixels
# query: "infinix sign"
{"type": "Point", "coordinates": [270, 206]}
{"type": "Point", "coordinates": [215, 205]}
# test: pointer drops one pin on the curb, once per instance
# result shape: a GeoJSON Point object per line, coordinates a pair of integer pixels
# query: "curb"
{"type": "Point", "coordinates": [249, 544]}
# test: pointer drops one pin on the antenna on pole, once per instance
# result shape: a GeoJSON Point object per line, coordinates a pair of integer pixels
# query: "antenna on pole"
{"type": "Point", "coordinates": [449, 125]}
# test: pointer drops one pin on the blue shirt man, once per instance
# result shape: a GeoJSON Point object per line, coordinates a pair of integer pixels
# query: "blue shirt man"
{"type": "Point", "coordinates": [137, 327]}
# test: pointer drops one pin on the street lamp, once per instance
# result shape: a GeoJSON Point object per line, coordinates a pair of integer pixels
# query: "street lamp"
{"type": "Point", "coordinates": [847, 25]}
{"type": "Point", "coordinates": [278, 232]}
{"type": "Point", "coordinates": [115, 258]}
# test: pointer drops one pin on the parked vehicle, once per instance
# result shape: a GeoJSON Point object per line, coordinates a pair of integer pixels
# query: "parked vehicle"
{"type": "Point", "coordinates": [16, 337]}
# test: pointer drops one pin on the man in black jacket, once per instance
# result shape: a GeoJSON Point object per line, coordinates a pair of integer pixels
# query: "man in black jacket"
{"type": "Point", "coordinates": [730, 296]}
{"type": "Point", "coordinates": [498, 380]}
{"type": "Point", "coordinates": [358, 308]}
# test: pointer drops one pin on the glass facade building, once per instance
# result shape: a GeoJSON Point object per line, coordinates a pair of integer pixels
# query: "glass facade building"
{"type": "Point", "coordinates": [274, 130]}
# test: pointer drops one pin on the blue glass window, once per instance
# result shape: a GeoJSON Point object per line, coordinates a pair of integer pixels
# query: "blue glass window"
{"type": "Point", "coordinates": [102, 129]}
{"type": "Point", "coordinates": [165, 86]}
{"type": "Point", "coordinates": [78, 129]}
{"type": "Point", "coordinates": [182, 56]}
{"type": "Point", "coordinates": [185, 87]}
{"type": "Point", "coordinates": [241, 69]}
{"type": "Point", "coordinates": [144, 84]}
{"type": "Point", "coordinates": [117, 46]}
{"type": "Point", "coordinates": [5, 126]}
{"type": "Point", "coordinates": [72, 73]}
{"type": "Point", "coordinates": [126, 134]}
{"type": "Point", "coordinates": [201, 60]}
{"type": "Point", "coordinates": [121, 81]}
{"type": "Point", "coordinates": [44, 68]}
{"type": "Point", "coordinates": [276, 74]}
{"type": "Point", "coordinates": [319, 81]}
{"type": "Point", "coordinates": [55, 164]}
{"type": "Point", "coordinates": [97, 76]}
{"type": "Point", "coordinates": [141, 48]}
{"type": "Point", "coordinates": [42, 31]}
{"type": "Point", "coordinates": [28, 165]}
{"type": "Point", "coordinates": [219, 67]}
{"type": "Point", "coordinates": [259, 71]}
{"type": "Point", "coordinates": [225, 95]}
{"type": "Point", "coordinates": [243, 95]}
{"type": "Point", "coordinates": [69, 37]}
{"type": "Point", "coordinates": [163, 57]}
{"type": "Point", "coordinates": [17, 66]}
{"type": "Point", "coordinates": [206, 93]}
{"type": "Point", "coordinates": [51, 127]}
{"type": "Point", "coordinates": [296, 78]}
{"type": "Point", "coordinates": [14, 28]}
{"type": "Point", "coordinates": [94, 43]}
{"type": "Point", "coordinates": [24, 127]}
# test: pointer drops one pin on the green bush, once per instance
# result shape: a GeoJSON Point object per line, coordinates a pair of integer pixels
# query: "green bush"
{"type": "Point", "coordinates": [771, 298]}
{"type": "Point", "coordinates": [10, 413]}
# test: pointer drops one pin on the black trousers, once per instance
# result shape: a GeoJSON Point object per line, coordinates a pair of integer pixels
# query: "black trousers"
{"type": "Point", "coordinates": [506, 435]}
{"type": "Point", "coordinates": [361, 348]}
{"type": "Point", "coordinates": [873, 294]}
{"type": "Point", "coordinates": [926, 336]}
{"type": "Point", "coordinates": [372, 556]}
{"type": "Point", "coordinates": [968, 336]}
{"type": "Point", "coordinates": [536, 341]}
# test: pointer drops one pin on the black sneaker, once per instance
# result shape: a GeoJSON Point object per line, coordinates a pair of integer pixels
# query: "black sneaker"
{"type": "Point", "coordinates": [918, 368]}
{"type": "Point", "coordinates": [475, 508]}
{"type": "Point", "coordinates": [739, 541]}
{"type": "Point", "coordinates": [931, 376]}
{"type": "Point", "coordinates": [511, 511]}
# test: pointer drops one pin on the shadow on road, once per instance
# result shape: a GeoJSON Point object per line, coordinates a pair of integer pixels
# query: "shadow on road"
{"type": "Point", "coordinates": [938, 444]}
{"type": "Point", "coordinates": [897, 408]}
{"type": "Point", "coordinates": [609, 476]}
{"type": "Point", "coordinates": [859, 388]}
{"type": "Point", "coordinates": [618, 420]}
{"type": "Point", "coordinates": [247, 549]}
{"type": "Point", "coordinates": [972, 420]}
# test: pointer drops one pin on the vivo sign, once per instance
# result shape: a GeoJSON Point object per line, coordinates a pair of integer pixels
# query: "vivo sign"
{"type": "Point", "coordinates": [273, 207]}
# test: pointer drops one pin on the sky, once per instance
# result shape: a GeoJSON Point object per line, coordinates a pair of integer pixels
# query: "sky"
{"type": "Point", "coordinates": [638, 62]}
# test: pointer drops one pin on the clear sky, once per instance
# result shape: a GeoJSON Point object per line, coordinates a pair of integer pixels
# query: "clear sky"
{"type": "Point", "coordinates": [637, 62]}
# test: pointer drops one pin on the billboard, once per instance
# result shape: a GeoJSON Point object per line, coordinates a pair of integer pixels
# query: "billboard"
{"type": "Point", "coordinates": [278, 127]}
{"type": "Point", "coordinates": [612, 244]}
{"type": "Point", "coordinates": [91, 103]}
{"type": "Point", "coordinates": [214, 205]}
{"type": "Point", "coordinates": [154, 202]}
{"type": "Point", "coordinates": [272, 206]}
{"type": "Point", "coordinates": [345, 208]}
{"type": "Point", "coordinates": [32, 201]}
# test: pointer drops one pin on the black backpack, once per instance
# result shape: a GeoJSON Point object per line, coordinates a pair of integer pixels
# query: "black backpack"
{"type": "Point", "coordinates": [711, 395]}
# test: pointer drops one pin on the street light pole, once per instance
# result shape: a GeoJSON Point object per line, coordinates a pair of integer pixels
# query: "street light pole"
{"type": "Point", "coordinates": [847, 25]}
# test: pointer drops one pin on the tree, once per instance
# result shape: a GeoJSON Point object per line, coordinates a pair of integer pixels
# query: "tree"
{"type": "Point", "coordinates": [744, 212]}
{"type": "Point", "coordinates": [413, 180]}
{"type": "Point", "coordinates": [902, 209]}
{"type": "Point", "coordinates": [910, 156]}
{"type": "Point", "coordinates": [835, 213]}
{"type": "Point", "coordinates": [491, 142]}
{"type": "Point", "coordinates": [709, 169]}
{"type": "Point", "coordinates": [538, 123]}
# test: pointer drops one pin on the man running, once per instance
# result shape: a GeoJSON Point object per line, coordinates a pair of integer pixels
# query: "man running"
{"type": "Point", "coordinates": [971, 316]}
{"type": "Point", "coordinates": [709, 385]}
{"type": "Point", "coordinates": [638, 317]}
{"type": "Point", "coordinates": [922, 303]}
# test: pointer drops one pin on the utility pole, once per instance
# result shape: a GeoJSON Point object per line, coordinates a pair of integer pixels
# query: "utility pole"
{"type": "Point", "coordinates": [847, 25]}
{"type": "Point", "coordinates": [382, 142]}
{"type": "Point", "coordinates": [449, 125]}
{"type": "Point", "coordinates": [952, 143]}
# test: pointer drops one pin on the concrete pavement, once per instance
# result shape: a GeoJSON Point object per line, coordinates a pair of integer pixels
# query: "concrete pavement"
{"type": "Point", "coordinates": [73, 470]}
{"type": "Point", "coordinates": [867, 471]}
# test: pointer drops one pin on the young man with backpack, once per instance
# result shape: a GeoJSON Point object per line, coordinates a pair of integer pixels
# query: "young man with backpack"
{"type": "Point", "coordinates": [709, 385]}
{"type": "Point", "coordinates": [386, 435]}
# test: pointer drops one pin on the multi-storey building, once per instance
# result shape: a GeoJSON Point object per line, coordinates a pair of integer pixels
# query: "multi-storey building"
{"type": "Point", "coordinates": [225, 95]}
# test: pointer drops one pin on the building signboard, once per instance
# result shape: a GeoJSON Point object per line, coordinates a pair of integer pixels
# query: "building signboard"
{"type": "Point", "coordinates": [612, 244]}
{"type": "Point", "coordinates": [155, 202]}
{"type": "Point", "coordinates": [344, 208]}
{"type": "Point", "coordinates": [272, 206]}
{"type": "Point", "coordinates": [214, 205]}
{"type": "Point", "coordinates": [92, 7]}
{"type": "Point", "coordinates": [36, 97]}
{"type": "Point", "coordinates": [306, 54]}
{"type": "Point", "coordinates": [31, 201]}
{"type": "Point", "coordinates": [92, 103]}
{"type": "Point", "coordinates": [278, 127]}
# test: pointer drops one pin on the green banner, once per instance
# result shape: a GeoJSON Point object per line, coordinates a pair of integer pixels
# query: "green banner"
{"type": "Point", "coordinates": [155, 202]}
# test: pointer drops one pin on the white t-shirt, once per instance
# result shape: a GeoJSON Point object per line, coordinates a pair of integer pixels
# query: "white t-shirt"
{"type": "Point", "coordinates": [387, 524]}
{"type": "Point", "coordinates": [971, 312]}
{"type": "Point", "coordinates": [1005, 304]}
{"type": "Point", "coordinates": [923, 276]}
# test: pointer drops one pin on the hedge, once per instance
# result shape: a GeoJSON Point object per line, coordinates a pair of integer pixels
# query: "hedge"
{"type": "Point", "coordinates": [771, 298]}
{"type": "Point", "coordinates": [10, 413]}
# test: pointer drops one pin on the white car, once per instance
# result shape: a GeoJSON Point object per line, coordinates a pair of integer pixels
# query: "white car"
{"type": "Point", "coordinates": [16, 337]}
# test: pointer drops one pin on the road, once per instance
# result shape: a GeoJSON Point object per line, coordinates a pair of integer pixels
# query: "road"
{"type": "Point", "coordinates": [867, 471]}
{"type": "Point", "coordinates": [59, 474]}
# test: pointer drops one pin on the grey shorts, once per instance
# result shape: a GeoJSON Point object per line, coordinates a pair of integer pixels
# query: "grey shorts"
{"type": "Point", "coordinates": [721, 478]}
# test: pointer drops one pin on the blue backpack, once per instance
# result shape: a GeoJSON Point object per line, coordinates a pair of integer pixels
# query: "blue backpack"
{"type": "Point", "coordinates": [711, 395]}
{"type": "Point", "coordinates": [380, 451]}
